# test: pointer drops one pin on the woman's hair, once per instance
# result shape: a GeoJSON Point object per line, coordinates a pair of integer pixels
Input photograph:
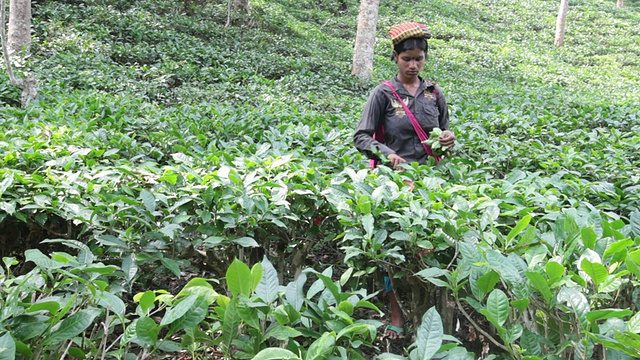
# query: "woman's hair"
{"type": "Point", "coordinates": [410, 44]}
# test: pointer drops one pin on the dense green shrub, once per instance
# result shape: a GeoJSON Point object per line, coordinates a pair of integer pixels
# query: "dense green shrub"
{"type": "Point", "coordinates": [194, 169]}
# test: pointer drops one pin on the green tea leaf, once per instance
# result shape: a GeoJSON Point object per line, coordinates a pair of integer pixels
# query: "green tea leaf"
{"type": "Point", "coordinates": [171, 265]}
{"type": "Point", "coordinates": [7, 347]}
{"type": "Point", "coordinates": [51, 306]}
{"type": "Point", "coordinates": [498, 306]}
{"type": "Point", "coordinates": [321, 347]}
{"type": "Point", "coordinates": [294, 293]}
{"type": "Point", "coordinates": [488, 281]}
{"type": "Point", "coordinates": [430, 334]}
{"type": "Point", "coordinates": [42, 260]}
{"type": "Point", "coordinates": [146, 330]}
{"type": "Point", "coordinates": [246, 242]}
{"type": "Point", "coordinates": [633, 324]}
{"type": "Point", "coordinates": [633, 262]}
{"type": "Point", "coordinates": [178, 310]}
{"type": "Point", "coordinates": [239, 279]}
{"type": "Point", "coordinates": [589, 237]}
{"type": "Point", "coordinates": [269, 285]}
{"type": "Point", "coordinates": [111, 302]}
{"type": "Point", "coordinates": [521, 225]}
{"type": "Point", "coordinates": [577, 303]}
{"type": "Point", "coordinates": [275, 354]}
{"type": "Point", "coordinates": [520, 304]}
{"type": "Point", "coordinates": [597, 272]}
{"type": "Point", "coordinates": [256, 275]}
{"type": "Point", "coordinates": [634, 222]}
{"type": "Point", "coordinates": [431, 274]}
{"type": "Point", "coordinates": [603, 314]}
{"type": "Point", "coordinates": [146, 301]}
{"type": "Point", "coordinates": [148, 200]}
{"type": "Point", "coordinates": [129, 267]}
{"type": "Point", "coordinates": [194, 316]}
{"type": "Point", "coordinates": [555, 271]}
{"type": "Point", "coordinates": [282, 333]}
{"type": "Point", "coordinates": [72, 326]}
{"type": "Point", "coordinates": [358, 329]}
{"type": "Point", "coordinates": [368, 225]}
{"type": "Point", "coordinates": [231, 322]}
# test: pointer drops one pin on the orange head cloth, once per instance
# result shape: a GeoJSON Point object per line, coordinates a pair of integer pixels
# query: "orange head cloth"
{"type": "Point", "coordinates": [407, 30]}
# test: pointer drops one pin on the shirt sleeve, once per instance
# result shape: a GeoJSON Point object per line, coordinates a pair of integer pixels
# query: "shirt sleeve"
{"type": "Point", "coordinates": [443, 108]}
{"type": "Point", "coordinates": [372, 116]}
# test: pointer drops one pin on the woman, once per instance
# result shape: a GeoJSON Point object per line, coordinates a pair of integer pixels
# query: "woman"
{"type": "Point", "coordinates": [424, 99]}
{"type": "Point", "coordinates": [385, 114]}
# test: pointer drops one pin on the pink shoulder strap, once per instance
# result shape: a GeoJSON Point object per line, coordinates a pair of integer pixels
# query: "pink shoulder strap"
{"type": "Point", "coordinates": [422, 135]}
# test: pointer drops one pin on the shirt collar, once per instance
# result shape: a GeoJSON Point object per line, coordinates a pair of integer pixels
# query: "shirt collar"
{"type": "Point", "coordinates": [424, 84]}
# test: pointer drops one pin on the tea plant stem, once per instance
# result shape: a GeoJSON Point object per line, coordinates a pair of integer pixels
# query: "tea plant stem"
{"type": "Point", "coordinates": [455, 254]}
{"type": "Point", "coordinates": [494, 341]}
{"type": "Point", "coordinates": [105, 326]}
{"type": "Point", "coordinates": [108, 348]}
{"type": "Point", "coordinates": [64, 354]}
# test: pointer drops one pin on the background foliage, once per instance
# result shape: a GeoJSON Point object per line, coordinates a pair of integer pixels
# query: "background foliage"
{"type": "Point", "coordinates": [165, 145]}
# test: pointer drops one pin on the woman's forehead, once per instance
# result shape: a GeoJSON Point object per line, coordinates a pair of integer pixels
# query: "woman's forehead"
{"type": "Point", "coordinates": [412, 52]}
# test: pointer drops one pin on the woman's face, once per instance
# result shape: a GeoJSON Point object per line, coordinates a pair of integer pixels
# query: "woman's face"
{"type": "Point", "coordinates": [410, 62]}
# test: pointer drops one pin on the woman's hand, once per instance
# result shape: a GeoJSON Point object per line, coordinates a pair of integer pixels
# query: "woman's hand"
{"type": "Point", "coordinates": [396, 161]}
{"type": "Point", "coordinates": [447, 139]}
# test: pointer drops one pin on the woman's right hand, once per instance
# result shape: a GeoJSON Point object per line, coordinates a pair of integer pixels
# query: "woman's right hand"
{"type": "Point", "coordinates": [396, 161]}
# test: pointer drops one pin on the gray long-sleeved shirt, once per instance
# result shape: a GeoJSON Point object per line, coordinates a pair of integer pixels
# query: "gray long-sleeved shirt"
{"type": "Point", "coordinates": [382, 108]}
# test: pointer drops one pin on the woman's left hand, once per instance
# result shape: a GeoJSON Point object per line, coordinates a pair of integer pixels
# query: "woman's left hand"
{"type": "Point", "coordinates": [447, 139]}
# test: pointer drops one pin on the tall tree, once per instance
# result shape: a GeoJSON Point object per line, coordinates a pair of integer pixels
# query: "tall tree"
{"type": "Point", "coordinates": [16, 46]}
{"type": "Point", "coordinates": [19, 39]}
{"type": "Point", "coordinates": [233, 5]}
{"type": "Point", "coordinates": [365, 39]}
{"type": "Point", "coordinates": [560, 22]}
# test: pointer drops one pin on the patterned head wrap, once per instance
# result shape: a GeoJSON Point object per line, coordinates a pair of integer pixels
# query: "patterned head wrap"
{"type": "Point", "coordinates": [407, 30]}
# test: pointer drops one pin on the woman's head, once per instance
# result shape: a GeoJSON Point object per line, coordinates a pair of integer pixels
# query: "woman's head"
{"type": "Point", "coordinates": [409, 36]}
{"type": "Point", "coordinates": [413, 43]}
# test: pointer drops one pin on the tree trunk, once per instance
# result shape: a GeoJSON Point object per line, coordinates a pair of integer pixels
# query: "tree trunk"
{"type": "Point", "coordinates": [233, 5]}
{"type": "Point", "coordinates": [17, 44]}
{"type": "Point", "coordinates": [19, 31]}
{"type": "Point", "coordinates": [560, 22]}
{"type": "Point", "coordinates": [620, 3]}
{"type": "Point", "coordinates": [365, 39]}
